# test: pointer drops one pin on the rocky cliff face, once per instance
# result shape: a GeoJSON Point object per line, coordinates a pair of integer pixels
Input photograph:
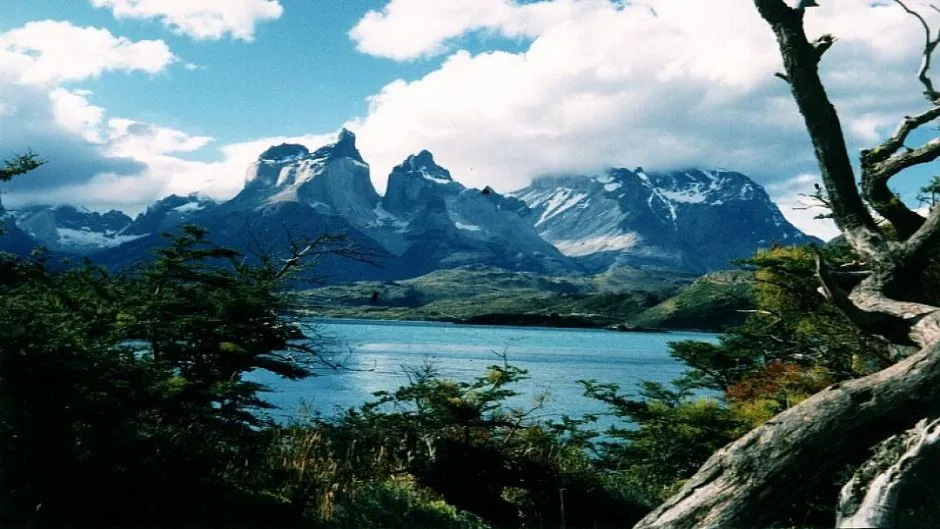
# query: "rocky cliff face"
{"type": "Point", "coordinates": [426, 220]}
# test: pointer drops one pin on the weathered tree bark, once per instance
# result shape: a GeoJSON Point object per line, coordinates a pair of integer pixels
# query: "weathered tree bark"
{"type": "Point", "coordinates": [746, 483]}
{"type": "Point", "coordinates": [870, 498]}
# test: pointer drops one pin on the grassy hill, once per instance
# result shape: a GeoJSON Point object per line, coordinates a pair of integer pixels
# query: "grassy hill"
{"type": "Point", "coordinates": [499, 296]}
{"type": "Point", "coordinates": [713, 302]}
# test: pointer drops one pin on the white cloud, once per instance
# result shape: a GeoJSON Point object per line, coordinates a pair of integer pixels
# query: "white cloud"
{"type": "Point", "coordinates": [90, 160]}
{"type": "Point", "coordinates": [138, 140]}
{"type": "Point", "coordinates": [49, 52]}
{"type": "Point", "coordinates": [409, 29]}
{"type": "Point", "coordinates": [73, 112]}
{"type": "Point", "coordinates": [200, 19]}
{"type": "Point", "coordinates": [794, 197]}
{"type": "Point", "coordinates": [666, 84]}
{"type": "Point", "coordinates": [63, 127]}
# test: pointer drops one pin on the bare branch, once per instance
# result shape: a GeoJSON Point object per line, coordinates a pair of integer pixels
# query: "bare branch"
{"type": "Point", "coordinates": [930, 44]}
{"type": "Point", "coordinates": [801, 60]}
{"type": "Point", "coordinates": [822, 44]}
{"type": "Point", "coordinates": [921, 246]}
{"type": "Point", "coordinates": [881, 163]}
{"type": "Point", "coordinates": [893, 144]}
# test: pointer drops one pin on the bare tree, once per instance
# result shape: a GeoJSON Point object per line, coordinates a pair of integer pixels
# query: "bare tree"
{"type": "Point", "coordinates": [747, 483]}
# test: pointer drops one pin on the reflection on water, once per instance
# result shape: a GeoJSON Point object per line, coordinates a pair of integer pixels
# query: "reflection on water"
{"type": "Point", "coordinates": [377, 352]}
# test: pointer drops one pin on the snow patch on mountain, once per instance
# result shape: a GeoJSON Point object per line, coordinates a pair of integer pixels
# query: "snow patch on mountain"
{"type": "Point", "coordinates": [603, 243]}
{"type": "Point", "coordinates": [467, 227]}
{"type": "Point", "coordinates": [85, 239]}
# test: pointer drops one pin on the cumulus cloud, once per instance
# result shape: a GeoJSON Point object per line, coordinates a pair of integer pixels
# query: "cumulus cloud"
{"type": "Point", "coordinates": [38, 111]}
{"type": "Point", "coordinates": [36, 121]}
{"type": "Point", "coordinates": [51, 52]}
{"type": "Point", "coordinates": [662, 84]}
{"type": "Point", "coordinates": [127, 137]}
{"type": "Point", "coordinates": [410, 29]}
{"type": "Point", "coordinates": [200, 19]}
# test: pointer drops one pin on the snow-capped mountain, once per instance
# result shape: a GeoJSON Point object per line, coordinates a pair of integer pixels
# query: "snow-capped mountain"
{"type": "Point", "coordinates": [694, 221]}
{"type": "Point", "coordinates": [70, 230]}
{"type": "Point", "coordinates": [425, 221]}
{"type": "Point", "coordinates": [433, 222]}
{"type": "Point", "coordinates": [691, 220]}
{"type": "Point", "coordinates": [167, 214]}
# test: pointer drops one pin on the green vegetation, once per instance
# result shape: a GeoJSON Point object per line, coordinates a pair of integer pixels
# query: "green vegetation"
{"type": "Point", "coordinates": [636, 298]}
{"type": "Point", "coordinates": [124, 400]}
{"type": "Point", "coordinates": [715, 301]}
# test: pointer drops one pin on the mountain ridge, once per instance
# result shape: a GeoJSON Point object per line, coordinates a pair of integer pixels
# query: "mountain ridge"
{"type": "Point", "coordinates": [426, 220]}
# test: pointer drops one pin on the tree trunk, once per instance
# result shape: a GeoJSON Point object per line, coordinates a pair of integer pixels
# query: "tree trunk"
{"type": "Point", "coordinates": [746, 483]}
{"type": "Point", "coordinates": [871, 497]}
{"type": "Point", "coordinates": [749, 482]}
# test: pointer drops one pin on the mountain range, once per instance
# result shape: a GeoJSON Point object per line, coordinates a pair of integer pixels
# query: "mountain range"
{"type": "Point", "coordinates": [690, 221]}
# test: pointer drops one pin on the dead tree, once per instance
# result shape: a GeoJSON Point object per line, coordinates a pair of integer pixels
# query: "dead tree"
{"type": "Point", "coordinates": [746, 483]}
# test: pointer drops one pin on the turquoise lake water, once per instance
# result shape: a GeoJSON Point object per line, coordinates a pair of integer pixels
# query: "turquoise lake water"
{"type": "Point", "coordinates": [376, 354]}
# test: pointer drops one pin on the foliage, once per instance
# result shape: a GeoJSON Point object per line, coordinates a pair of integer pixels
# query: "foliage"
{"type": "Point", "coordinates": [671, 433]}
{"type": "Point", "coordinates": [929, 194]}
{"type": "Point", "coordinates": [126, 394]}
{"type": "Point", "coordinates": [19, 165]}
{"type": "Point", "coordinates": [793, 345]}
{"type": "Point", "coordinates": [461, 442]}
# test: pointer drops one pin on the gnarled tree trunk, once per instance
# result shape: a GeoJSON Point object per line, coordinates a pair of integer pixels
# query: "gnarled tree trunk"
{"type": "Point", "coordinates": [871, 497]}
{"type": "Point", "coordinates": [745, 483]}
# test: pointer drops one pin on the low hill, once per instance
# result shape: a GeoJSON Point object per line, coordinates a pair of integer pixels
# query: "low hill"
{"type": "Point", "coordinates": [639, 298]}
{"type": "Point", "coordinates": [713, 302]}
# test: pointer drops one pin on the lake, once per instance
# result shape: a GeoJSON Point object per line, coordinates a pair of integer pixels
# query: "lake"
{"type": "Point", "coordinates": [376, 353]}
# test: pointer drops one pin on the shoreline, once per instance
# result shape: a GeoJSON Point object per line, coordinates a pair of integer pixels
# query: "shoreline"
{"type": "Point", "coordinates": [501, 320]}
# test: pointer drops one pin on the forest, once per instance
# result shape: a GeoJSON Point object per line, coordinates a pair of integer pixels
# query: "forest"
{"type": "Point", "coordinates": [125, 399]}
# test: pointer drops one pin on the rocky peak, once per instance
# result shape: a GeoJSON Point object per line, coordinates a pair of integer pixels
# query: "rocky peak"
{"type": "Point", "coordinates": [345, 147]}
{"type": "Point", "coordinates": [416, 181]}
{"type": "Point", "coordinates": [284, 153]}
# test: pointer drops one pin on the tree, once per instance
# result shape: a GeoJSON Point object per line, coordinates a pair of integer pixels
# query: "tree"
{"type": "Point", "coordinates": [930, 193]}
{"type": "Point", "coordinates": [16, 166]}
{"type": "Point", "coordinates": [749, 482]}
{"type": "Point", "coordinates": [124, 398]}
{"type": "Point", "coordinates": [20, 165]}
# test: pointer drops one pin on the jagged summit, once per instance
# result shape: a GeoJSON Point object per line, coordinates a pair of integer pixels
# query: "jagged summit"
{"type": "Point", "coordinates": [423, 165]}
{"type": "Point", "coordinates": [417, 181]}
{"type": "Point", "coordinates": [345, 147]}
{"type": "Point", "coordinates": [692, 220]}
{"type": "Point", "coordinates": [284, 153]}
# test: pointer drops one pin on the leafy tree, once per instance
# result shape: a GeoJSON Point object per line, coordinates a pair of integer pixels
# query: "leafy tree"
{"type": "Point", "coordinates": [930, 193]}
{"type": "Point", "coordinates": [124, 399]}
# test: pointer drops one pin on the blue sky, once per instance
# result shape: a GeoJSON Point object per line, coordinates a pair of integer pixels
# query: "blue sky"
{"type": "Point", "coordinates": [131, 100]}
{"type": "Point", "coordinates": [301, 73]}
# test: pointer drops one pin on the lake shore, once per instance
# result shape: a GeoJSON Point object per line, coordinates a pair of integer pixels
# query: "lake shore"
{"type": "Point", "coordinates": [558, 321]}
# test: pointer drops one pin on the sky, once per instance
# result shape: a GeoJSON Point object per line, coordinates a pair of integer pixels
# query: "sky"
{"type": "Point", "coordinates": [133, 100]}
